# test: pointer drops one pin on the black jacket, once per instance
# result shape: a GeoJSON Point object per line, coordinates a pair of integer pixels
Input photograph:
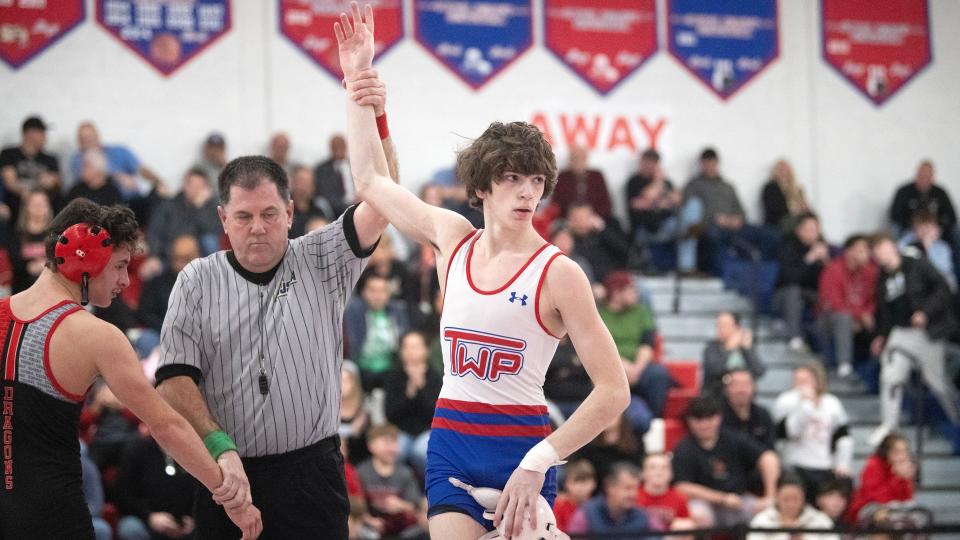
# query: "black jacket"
{"type": "Point", "coordinates": [909, 199]}
{"type": "Point", "coordinates": [924, 290]}
{"type": "Point", "coordinates": [794, 270]}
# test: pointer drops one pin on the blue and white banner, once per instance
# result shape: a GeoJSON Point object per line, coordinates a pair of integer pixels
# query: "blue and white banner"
{"type": "Point", "coordinates": [165, 33]}
{"type": "Point", "coordinates": [475, 39]}
{"type": "Point", "coordinates": [724, 44]}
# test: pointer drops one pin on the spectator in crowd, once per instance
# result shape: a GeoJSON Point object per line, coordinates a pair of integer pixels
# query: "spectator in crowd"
{"type": "Point", "coordinates": [156, 494]}
{"type": "Point", "coordinates": [567, 243]}
{"type": "Point", "coordinates": [848, 300]}
{"type": "Point", "coordinates": [915, 317]}
{"type": "Point", "coordinates": [305, 202]}
{"type": "Point", "coordinates": [401, 282]}
{"type": "Point", "coordinates": [714, 200]}
{"type": "Point", "coordinates": [115, 428]}
{"type": "Point", "coordinates": [27, 166]}
{"type": "Point", "coordinates": [333, 180]}
{"type": "Point", "coordinates": [783, 199]}
{"type": "Point", "coordinates": [373, 324]}
{"type": "Point", "coordinates": [833, 499]}
{"type": "Point", "coordinates": [213, 158]}
{"type": "Point", "coordinates": [618, 442]}
{"type": "Point", "coordinates": [156, 292]}
{"type": "Point", "coordinates": [731, 350]}
{"type": "Point", "coordinates": [393, 493]}
{"type": "Point", "coordinates": [567, 383]}
{"type": "Point", "coordinates": [889, 476]}
{"type": "Point", "coordinates": [122, 164]}
{"type": "Point", "coordinates": [580, 184]}
{"type": "Point", "coordinates": [354, 418]}
{"type": "Point", "coordinates": [664, 504]}
{"type": "Point", "coordinates": [633, 330]}
{"type": "Point", "coordinates": [599, 241]}
{"type": "Point", "coordinates": [924, 237]}
{"type": "Point", "coordinates": [615, 510]}
{"type": "Point", "coordinates": [26, 250]}
{"type": "Point", "coordinates": [578, 484]}
{"type": "Point", "coordinates": [790, 510]}
{"type": "Point", "coordinates": [280, 151]}
{"type": "Point", "coordinates": [652, 202]}
{"type": "Point", "coordinates": [923, 193]}
{"type": "Point", "coordinates": [712, 468]}
{"type": "Point", "coordinates": [412, 390]}
{"type": "Point", "coordinates": [192, 212]}
{"type": "Point", "coordinates": [742, 413]}
{"type": "Point", "coordinates": [802, 258]}
{"type": "Point", "coordinates": [315, 223]}
{"type": "Point", "coordinates": [95, 183]}
{"type": "Point", "coordinates": [815, 428]}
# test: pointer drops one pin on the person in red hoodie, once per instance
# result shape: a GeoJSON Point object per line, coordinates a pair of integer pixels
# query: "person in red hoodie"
{"type": "Point", "coordinates": [578, 486]}
{"type": "Point", "coordinates": [847, 300]}
{"type": "Point", "coordinates": [661, 501]}
{"type": "Point", "coordinates": [887, 477]}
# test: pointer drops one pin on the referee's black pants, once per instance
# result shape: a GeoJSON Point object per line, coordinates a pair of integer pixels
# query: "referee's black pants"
{"type": "Point", "coordinates": [301, 495]}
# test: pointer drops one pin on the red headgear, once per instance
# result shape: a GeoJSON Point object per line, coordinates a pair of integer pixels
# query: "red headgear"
{"type": "Point", "coordinates": [83, 249]}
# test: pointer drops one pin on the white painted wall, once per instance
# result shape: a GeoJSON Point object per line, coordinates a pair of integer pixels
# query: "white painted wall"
{"type": "Point", "coordinates": [848, 153]}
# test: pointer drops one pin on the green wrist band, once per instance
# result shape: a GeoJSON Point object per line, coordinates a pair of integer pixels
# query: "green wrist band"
{"type": "Point", "coordinates": [218, 442]}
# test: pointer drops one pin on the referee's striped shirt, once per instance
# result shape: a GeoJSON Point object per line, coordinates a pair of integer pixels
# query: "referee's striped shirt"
{"type": "Point", "coordinates": [212, 333]}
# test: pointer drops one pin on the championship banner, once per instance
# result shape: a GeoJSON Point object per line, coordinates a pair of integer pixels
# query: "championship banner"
{"type": "Point", "coordinates": [602, 41]}
{"type": "Point", "coordinates": [475, 39]}
{"type": "Point", "coordinates": [308, 24]}
{"type": "Point", "coordinates": [28, 27]}
{"type": "Point", "coordinates": [165, 33]}
{"type": "Point", "coordinates": [876, 46]}
{"type": "Point", "coordinates": [724, 44]}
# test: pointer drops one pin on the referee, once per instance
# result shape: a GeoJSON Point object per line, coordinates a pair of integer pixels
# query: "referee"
{"type": "Point", "coordinates": [251, 349]}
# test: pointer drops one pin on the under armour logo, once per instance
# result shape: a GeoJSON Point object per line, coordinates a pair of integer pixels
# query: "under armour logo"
{"type": "Point", "coordinates": [514, 298]}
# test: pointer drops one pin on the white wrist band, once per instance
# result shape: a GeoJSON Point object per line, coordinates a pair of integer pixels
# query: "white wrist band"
{"type": "Point", "coordinates": [540, 458]}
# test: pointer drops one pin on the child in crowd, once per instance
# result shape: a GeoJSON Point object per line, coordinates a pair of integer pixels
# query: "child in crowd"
{"type": "Point", "coordinates": [578, 485]}
{"type": "Point", "coordinates": [663, 503]}
{"type": "Point", "coordinates": [833, 498]}
{"type": "Point", "coordinates": [393, 493]}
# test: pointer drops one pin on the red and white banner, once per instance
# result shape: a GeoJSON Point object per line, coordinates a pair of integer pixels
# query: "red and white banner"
{"type": "Point", "coordinates": [602, 41]}
{"type": "Point", "coordinates": [308, 24]}
{"type": "Point", "coordinates": [28, 27]}
{"type": "Point", "coordinates": [876, 46]}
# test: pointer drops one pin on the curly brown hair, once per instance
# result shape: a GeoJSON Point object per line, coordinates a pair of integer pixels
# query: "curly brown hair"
{"type": "Point", "coordinates": [517, 147]}
{"type": "Point", "coordinates": [119, 221]}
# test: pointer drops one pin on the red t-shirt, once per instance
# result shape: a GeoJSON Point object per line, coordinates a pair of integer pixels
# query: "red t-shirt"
{"type": "Point", "coordinates": [563, 510]}
{"type": "Point", "coordinates": [665, 507]}
{"type": "Point", "coordinates": [354, 488]}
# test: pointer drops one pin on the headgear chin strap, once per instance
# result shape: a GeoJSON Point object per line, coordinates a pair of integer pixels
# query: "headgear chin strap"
{"type": "Point", "coordinates": [82, 252]}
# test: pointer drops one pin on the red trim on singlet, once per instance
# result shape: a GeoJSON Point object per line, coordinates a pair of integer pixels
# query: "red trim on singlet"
{"type": "Point", "coordinates": [42, 315]}
{"type": "Point", "coordinates": [14, 346]}
{"type": "Point", "coordinates": [491, 430]}
{"type": "Point", "coordinates": [46, 357]}
{"type": "Point", "coordinates": [536, 298]}
{"type": "Point", "coordinates": [487, 408]}
{"type": "Point", "coordinates": [446, 276]}
{"type": "Point", "coordinates": [507, 284]}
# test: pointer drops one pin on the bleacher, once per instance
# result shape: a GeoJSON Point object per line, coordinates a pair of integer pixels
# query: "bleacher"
{"type": "Point", "coordinates": [686, 332]}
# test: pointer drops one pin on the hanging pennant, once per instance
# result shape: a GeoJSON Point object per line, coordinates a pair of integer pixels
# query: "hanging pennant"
{"type": "Point", "coordinates": [27, 28]}
{"type": "Point", "coordinates": [165, 33]}
{"type": "Point", "coordinates": [475, 39]}
{"type": "Point", "coordinates": [876, 46]}
{"type": "Point", "coordinates": [724, 44]}
{"type": "Point", "coordinates": [308, 24]}
{"type": "Point", "coordinates": [602, 41]}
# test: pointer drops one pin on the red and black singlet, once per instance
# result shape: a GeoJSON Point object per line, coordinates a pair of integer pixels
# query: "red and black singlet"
{"type": "Point", "coordinates": [41, 481]}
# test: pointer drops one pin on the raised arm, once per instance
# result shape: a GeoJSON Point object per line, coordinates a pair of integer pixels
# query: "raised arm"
{"type": "Point", "coordinates": [414, 218]}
